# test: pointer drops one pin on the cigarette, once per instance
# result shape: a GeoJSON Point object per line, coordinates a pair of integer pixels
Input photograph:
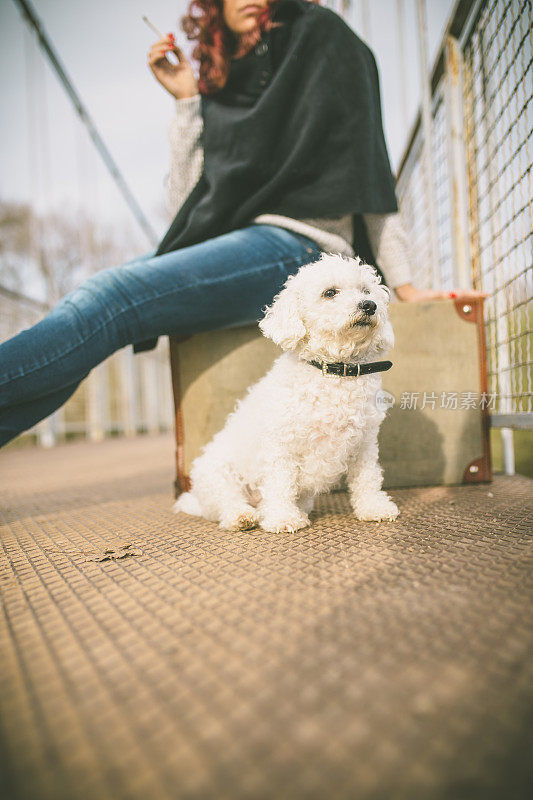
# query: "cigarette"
{"type": "Point", "coordinates": [171, 57]}
{"type": "Point", "coordinates": [153, 28]}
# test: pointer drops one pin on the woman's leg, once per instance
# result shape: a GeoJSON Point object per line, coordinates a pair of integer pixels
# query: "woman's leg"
{"type": "Point", "coordinates": [222, 282]}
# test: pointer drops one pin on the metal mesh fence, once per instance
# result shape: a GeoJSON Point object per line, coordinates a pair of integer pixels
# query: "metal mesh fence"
{"type": "Point", "coordinates": [499, 124]}
{"type": "Point", "coordinates": [414, 212]}
{"type": "Point", "coordinates": [442, 193]}
{"type": "Point", "coordinates": [413, 206]}
{"type": "Point", "coordinates": [497, 76]}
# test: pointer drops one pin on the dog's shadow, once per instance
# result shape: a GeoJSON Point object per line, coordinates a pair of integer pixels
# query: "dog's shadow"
{"type": "Point", "coordinates": [411, 451]}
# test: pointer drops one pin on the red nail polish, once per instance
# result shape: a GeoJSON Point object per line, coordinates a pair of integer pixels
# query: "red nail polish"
{"type": "Point", "coordinates": [452, 294]}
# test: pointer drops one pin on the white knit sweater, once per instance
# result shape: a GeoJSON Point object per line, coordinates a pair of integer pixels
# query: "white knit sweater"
{"type": "Point", "coordinates": [385, 231]}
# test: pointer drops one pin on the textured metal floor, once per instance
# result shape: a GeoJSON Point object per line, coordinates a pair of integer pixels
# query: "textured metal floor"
{"type": "Point", "coordinates": [352, 660]}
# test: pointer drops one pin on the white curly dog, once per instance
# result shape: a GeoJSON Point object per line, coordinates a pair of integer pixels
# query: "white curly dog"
{"type": "Point", "coordinates": [299, 429]}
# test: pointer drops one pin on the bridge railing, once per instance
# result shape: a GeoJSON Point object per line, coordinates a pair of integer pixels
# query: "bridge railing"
{"type": "Point", "coordinates": [124, 395]}
{"type": "Point", "coordinates": [470, 216]}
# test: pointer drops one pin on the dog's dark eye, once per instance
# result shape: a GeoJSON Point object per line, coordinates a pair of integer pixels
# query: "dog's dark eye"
{"type": "Point", "coordinates": [330, 293]}
{"type": "Point", "coordinates": [365, 290]}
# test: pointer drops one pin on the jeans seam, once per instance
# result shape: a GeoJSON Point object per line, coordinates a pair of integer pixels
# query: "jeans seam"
{"type": "Point", "coordinates": [221, 279]}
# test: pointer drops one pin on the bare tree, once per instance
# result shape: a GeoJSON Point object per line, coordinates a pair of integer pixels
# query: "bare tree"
{"type": "Point", "coordinates": [15, 234]}
{"type": "Point", "coordinates": [50, 254]}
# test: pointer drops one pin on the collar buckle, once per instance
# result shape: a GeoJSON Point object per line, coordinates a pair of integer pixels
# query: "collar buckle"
{"type": "Point", "coordinates": [344, 374]}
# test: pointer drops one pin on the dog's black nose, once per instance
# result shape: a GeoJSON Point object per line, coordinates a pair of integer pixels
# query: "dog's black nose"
{"type": "Point", "coordinates": [368, 306]}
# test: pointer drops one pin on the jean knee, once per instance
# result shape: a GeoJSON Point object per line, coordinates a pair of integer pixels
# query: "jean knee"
{"type": "Point", "coordinates": [100, 294]}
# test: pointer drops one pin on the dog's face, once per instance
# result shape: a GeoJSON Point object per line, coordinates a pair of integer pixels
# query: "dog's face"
{"type": "Point", "coordinates": [334, 309]}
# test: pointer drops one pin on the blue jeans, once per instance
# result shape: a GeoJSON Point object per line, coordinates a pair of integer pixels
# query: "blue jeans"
{"type": "Point", "coordinates": [220, 283]}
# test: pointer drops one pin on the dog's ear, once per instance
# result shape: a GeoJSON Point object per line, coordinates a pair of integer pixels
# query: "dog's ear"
{"type": "Point", "coordinates": [385, 290]}
{"type": "Point", "coordinates": [282, 321]}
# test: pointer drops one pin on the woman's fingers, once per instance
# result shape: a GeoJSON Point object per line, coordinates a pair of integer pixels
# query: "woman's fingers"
{"type": "Point", "coordinates": [174, 73]}
{"type": "Point", "coordinates": [457, 294]}
{"type": "Point", "coordinates": [157, 53]}
{"type": "Point", "coordinates": [165, 42]}
{"type": "Point", "coordinates": [419, 295]}
{"type": "Point", "coordinates": [465, 294]}
{"type": "Point", "coordinates": [160, 49]}
{"type": "Point", "coordinates": [164, 46]}
{"type": "Point", "coordinates": [158, 59]}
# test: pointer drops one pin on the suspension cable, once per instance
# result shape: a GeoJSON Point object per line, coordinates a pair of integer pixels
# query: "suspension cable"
{"type": "Point", "coordinates": [34, 22]}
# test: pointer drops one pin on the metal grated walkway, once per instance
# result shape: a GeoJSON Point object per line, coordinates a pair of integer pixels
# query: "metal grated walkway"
{"type": "Point", "coordinates": [351, 660]}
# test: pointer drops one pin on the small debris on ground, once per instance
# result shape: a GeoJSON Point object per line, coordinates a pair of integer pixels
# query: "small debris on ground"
{"type": "Point", "coordinates": [112, 554]}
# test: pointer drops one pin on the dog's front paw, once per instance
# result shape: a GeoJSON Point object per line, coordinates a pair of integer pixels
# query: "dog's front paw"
{"type": "Point", "coordinates": [375, 508]}
{"type": "Point", "coordinates": [290, 522]}
{"type": "Point", "coordinates": [243, 520]}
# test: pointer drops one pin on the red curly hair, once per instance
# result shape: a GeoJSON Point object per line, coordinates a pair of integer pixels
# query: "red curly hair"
{"type": "Point", "coordinates": [216, 43]}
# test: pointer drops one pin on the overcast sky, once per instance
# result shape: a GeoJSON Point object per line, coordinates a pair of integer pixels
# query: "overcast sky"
{"type": "Point", "coordinates": [46, 156]}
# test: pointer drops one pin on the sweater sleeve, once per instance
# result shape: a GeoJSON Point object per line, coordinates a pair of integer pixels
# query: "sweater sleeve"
{"type": "Point", "coordinates": [390, 246]}
{"type": "Point", "coordinates": [186, 151]}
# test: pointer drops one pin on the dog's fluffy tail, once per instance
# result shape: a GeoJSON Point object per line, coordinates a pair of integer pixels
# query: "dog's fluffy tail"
{"type": "Point", "coordinates": [187, 503]}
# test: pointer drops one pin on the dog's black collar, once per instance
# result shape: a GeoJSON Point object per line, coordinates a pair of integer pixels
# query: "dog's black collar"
{"type": "Point", "coordinates": [351, 370]}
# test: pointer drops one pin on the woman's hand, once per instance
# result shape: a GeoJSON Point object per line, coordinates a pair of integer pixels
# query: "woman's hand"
{"type": "Point", "coordinates": [410, 294]}
{"type": "Point", "coordinates": [178, 79]}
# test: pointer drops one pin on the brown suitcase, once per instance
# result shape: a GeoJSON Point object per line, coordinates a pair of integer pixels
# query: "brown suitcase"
{"type": "Point", "coordinates": [435, 433]}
